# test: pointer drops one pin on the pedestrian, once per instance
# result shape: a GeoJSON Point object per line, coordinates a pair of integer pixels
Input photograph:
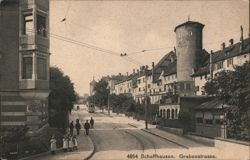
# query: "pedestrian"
{"type": "Point", "coordinates": [78, 127]}
{"type": "Point", "coordinates": [65, 143]}
{"type": "Point", "coordinates": [71, 127]}
{"type": "Point", "coordinates": [75, 143]}
{"type": "Point", "coordinates": [53, 145]}
{"type": "Point", "coordinates": [71, 145]}
{"type": "Point", "coordinates": [92, 122]}
{"type": "Point", "coordinates": [86, 127]}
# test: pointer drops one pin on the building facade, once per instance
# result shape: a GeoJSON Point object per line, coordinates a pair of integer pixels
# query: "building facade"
{"type": "Point", "coordinates": [182, 73]}
{"type": "Point", "coordinates": [24, 63]}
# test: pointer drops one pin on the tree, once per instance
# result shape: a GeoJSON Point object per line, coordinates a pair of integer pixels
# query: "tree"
{"type": "Point", "coordinates": [100, 98]}
{"type": "Point", "coordinates": [234, 88]}
{"type": "Point", "coordinates": [61, 98]}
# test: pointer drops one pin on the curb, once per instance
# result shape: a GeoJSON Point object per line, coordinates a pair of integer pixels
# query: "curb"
{"type": "Point", "coordinates": [166, 139]}
{"type": "Point", "coordinates": [93, 151]}
{"type": "Point", "coordinates": [132, 125]}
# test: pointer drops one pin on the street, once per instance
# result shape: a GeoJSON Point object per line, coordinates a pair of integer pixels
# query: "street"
{"type": "Point", "coordinates": [120, 137]}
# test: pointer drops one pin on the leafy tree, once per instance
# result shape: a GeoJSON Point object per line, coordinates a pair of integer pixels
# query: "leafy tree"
{"type": "Point", "coordinates": [101, 93]}
{"type": "Point", "coordinates": [61, 98]}
{"type": "Point", "coordinates": [234, 88]}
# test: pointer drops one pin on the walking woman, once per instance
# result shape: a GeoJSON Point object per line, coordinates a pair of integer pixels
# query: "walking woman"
{"type": "Point", "coordinates": [53, 145]}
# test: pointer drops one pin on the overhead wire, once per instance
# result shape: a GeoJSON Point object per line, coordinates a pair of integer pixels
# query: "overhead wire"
{"type": "Point", "coordinates": [93, 47]}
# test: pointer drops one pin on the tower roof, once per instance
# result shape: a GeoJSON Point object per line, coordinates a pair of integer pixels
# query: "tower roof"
{"type": "Point", "coordinates": [189, 23]}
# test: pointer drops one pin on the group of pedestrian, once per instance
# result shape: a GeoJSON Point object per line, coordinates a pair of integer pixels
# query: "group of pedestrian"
{"type": "Point", "coordinates": [88, 125]}
{"type": "Point", "coordinates": [77, 126]}
{"type": "Point", "coordinates": [69, 141]}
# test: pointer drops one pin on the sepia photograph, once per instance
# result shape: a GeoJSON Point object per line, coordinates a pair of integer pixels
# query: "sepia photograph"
{"type": "Point", "coordinates": [124, 80]}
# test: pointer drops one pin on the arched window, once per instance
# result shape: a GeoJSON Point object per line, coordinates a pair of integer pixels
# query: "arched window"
{"type": "Point", "coordinates": [172, 114]}
{"type": "Point", "coordinates": [168, 114]}
{"type": "Point", "coordinates": [164, 113]}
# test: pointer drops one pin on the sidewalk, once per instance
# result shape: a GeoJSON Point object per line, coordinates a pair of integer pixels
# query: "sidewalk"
{"type": "Point", "coordinates": [174, 138]}
{"type": "Point", "coordinates": [85, 148]}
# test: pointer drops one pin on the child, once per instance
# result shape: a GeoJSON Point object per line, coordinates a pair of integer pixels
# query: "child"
{"type": "Point", "coordinates": [71, 145]}
{"type": "Point", "coordinates": [53, 145]}
{"type": "Point", "coordinates": [65, 144]}
{"type": "Point", "coordinates": [75, 143]}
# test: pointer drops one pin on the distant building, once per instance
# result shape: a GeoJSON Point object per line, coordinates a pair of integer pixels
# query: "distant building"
{"type": "Point", "coordinates": [177, 81]}
{"type": "Point", "coordinates": [24, 63]}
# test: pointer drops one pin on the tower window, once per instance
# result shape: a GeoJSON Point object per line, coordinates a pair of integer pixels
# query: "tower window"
{"type": "Point", "coordinates": [28, 25]}
{"type": "Point", "coordinates": [41, 25]}
{"type": "Point", "coordinates": [27, 67]}
{"type": "Point", "coordinates": [42, 68]}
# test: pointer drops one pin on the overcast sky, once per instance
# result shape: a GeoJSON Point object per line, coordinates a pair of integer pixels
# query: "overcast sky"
{"type": "Point", "coordinates": [133, 26]}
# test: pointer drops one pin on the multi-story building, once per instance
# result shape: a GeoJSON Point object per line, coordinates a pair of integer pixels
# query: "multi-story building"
{"type": "Point", "coordinates": [181, 74]}
{"type": "Point", "coordinates": [224, 59]}
{"type": "Point", "coordinates": [24, 63]}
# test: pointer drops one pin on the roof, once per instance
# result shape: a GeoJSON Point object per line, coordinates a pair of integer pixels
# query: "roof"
{"type": "Point", "coordinates": [232, 51]}
{"type": "Point", "coordinates": [189, 23]}
{"type": "Point", "coordinates": [228, 52]}
{"type": "Point", "coordinates": [165, 65]}
{"type": "Point", "coordinates": [213, 104]}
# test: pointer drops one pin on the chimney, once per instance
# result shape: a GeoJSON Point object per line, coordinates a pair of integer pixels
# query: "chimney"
{"type": "Point", "coordinates": [211, 65]}
{"type": "Point", "coordinates": [127, 74]}
{"type": "Point", "coordinates": [133, 71]}
{"type": "Point", "coordinates": [231, 42]}
{"type": "Point", "coordinates": [241, 39]}
{"type": "Point", "coordinates": [222, 46]}
{"type": "Point", "coordinates": [174, 50]}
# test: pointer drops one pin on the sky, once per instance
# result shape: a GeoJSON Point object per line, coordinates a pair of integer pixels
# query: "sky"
{"type": "Point", "coordinates": [130, 27]}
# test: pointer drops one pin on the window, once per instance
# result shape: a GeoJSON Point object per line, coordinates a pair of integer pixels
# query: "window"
{"type": "Point", "coordinates": [188, 87]}
{"type": "Point", "coordinates": [199, 120]}
{"type": "Point", "coordinates": [41, 26]}
{"type": "Point", "coordinates": [205, 76]}
{"type": "Point", "coordinates": [229, 62]}
{"type": "Point", "coordinates": [27, 67]}
{"type": "Point", "coordinates": [149, 85]}
{"type": "Point", "coordinates": [28, 25]}
{"type": "Point", "coordinates": [197, 88]}
{"type": "Point", "coordinates": [139, 81]}
{"type": "Point", "coordinates": [209, 121]}
{"type": "Point", "coordinates": [181, 86]}
{"type": "Point", "coordinates": [139, 89]}
{"type": "Point", "coordinates": [219, 65]}
{"type": "Point", "coordinates": [41, 68]}
{"type": "Point", "coordinates": [219, 121]}
{"type": "Point", "coordinates": [200, 77]}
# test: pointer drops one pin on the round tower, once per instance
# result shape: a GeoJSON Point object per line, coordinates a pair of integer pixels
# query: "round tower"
{"type": "Point", "coordinates": [188, 48]}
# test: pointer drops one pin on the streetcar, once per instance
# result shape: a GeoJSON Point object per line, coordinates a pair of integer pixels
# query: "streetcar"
{"type": "Point", "coordinates": [91, 108]}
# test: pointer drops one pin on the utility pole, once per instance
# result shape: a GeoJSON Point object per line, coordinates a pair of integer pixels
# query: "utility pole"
{"type": "Point", "coordinates": [146, 100]}
{"type": "Point", "coordinates": [108, 102]}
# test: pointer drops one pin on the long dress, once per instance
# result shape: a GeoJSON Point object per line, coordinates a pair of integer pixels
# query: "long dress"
{"type": "Point", "coordinates": [75, 143]}
{"type": "Point", "coordinates": [71, 144]}
{"type": "Point", "coordinates": [53, 144]}
{"type": "Point", "coordinates": [65, 144]}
